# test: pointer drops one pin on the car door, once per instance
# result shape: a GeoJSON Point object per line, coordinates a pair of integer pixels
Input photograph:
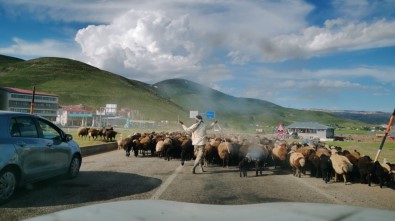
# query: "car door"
{"type": "Point", "coordinates": [57, 151]}
{"type": "Point", "coordinates": [29, 148]}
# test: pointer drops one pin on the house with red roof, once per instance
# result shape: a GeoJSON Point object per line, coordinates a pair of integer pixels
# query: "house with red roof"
{"type": "Point", "coordinates": [20, 100]}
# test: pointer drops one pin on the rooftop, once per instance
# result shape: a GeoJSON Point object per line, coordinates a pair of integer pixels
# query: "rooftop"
{"type": "Point", "coordinates": [308, 125]}
{"type": "Point", "coordinates": [24, 91]}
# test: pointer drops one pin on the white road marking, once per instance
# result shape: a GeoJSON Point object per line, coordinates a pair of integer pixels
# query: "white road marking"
{"type": "Point", "coordinates": [162, 188]}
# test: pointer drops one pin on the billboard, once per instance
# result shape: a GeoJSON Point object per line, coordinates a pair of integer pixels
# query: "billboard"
{"type": "Point", "coordinates": [193, 113]}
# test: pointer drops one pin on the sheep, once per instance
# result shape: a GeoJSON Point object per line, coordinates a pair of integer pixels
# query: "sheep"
{"type": "Point", "coordinates": [297, 162]}
{"type": "Point", "coordinates": [325, 167]}
{"type": "Point", "coordinates": [173, 148]}
{"type": "Point", "coordinates": [341, 165]}
{"type": "Point", "coordinates": [160, 147]}
{"type": "Point", "coordinates": [128, 143]}
{"type": "Point", "coordinates": [243, 167]}
{"type": "Point", "coordinates": [364, 165]}
{"type": "Point", "coordinates": [146, 144]}
{"type": "Point", "coordinates": [309, 154]}
{"type": "Point", "coordinates": [353, 158]}
{"type": "Point", "coordinates": [93, 132]}
{"type": "Point", "coordinates": [391, 172]}
{"type": "Point", "coordinates": [109, 135]}
{"type": "Point", "coordinates": [321, 151]}
{"type": "Point", "coordinates": [378, 172]}
{"type": "Point", "coordinates": [186, 149]}
{"type": "Point", "coordinates": [224, 151]}
{"type": "Point", "coordinates": [82, 132]}
{"type": "Point", "coordinates": [210, 153]}
{"type": "Point", "coordinates": [279, 153]}
{"type": "Point", "coordinates": [258, 154]}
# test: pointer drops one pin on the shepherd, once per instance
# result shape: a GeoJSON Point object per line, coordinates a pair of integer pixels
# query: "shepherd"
{"type": "Point", "coordinates": [199, 139]}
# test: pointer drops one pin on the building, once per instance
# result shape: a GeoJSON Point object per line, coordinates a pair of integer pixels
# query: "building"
{"type": "Point", "coordinates": [75, 115]}
{"type": "Point", "coordinates": [311, 130]}
{"type": "Point", "coordinates": [19, 100]}
{"type": "Point", "coordinates": [81, 116]}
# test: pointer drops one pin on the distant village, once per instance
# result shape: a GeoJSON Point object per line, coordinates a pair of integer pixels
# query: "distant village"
{"type": "Point", "coordinates": [47, 105]}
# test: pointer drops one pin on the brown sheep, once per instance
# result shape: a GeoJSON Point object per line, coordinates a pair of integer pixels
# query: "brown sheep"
{"type": "Point", "coordinates": [210, 153]}
{"type": "Point", "coordinates": [321, 151]}
{"type": "Point", "coordinates": [82, 132]}
{"type": "Point", "coordinates": [93, 132]}
{"type": "Point", "coordinates": [297, 162]}
{"type": "Point", "coordinates": [109, 135]}
{"type": "Point", "coordinates": [279, 154]}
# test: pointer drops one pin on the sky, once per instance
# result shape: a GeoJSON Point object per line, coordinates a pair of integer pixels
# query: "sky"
{"type": "Point", "coordinates": [303, 54]}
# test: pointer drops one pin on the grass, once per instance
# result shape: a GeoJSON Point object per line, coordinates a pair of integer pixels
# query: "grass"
{"type": "Point", "coordinates": [369, 148]}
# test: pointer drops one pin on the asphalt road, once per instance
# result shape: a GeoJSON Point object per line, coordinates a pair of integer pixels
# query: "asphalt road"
{"type": "Point", "coordinates": [113, 177]}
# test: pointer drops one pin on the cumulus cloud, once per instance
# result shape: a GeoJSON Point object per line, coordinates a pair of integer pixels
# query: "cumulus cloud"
{"type": "Point", "coordinates": [216, 42]}
{"type": "Point", "coordinates": [142, 41]}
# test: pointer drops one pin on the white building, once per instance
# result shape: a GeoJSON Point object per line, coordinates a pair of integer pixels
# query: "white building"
{"type": "Point", "coordinates": [311, 130]}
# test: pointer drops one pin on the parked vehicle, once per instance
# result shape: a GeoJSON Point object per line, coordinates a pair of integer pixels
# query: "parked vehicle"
{"type": "Point", "coordinates": [33, 149]}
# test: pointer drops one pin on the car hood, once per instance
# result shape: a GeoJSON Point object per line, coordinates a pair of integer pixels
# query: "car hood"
{"type": "Point", "coordinates": [170, 211]}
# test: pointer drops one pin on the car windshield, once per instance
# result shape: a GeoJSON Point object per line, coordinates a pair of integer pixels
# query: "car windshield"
{"type": "Point", "coordinates": [197, 104]}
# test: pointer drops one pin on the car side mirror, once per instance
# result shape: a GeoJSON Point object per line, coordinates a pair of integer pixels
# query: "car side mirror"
{"type": "Point", "coordinates": [68, 137]}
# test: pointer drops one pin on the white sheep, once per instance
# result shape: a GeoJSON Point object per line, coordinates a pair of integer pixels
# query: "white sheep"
{"type": "Point", "coordinates": [341, 165]}
{"type": "Point", "coordinates": [297, 162]}
{"type": "Point", "coordinates": [224, 151]}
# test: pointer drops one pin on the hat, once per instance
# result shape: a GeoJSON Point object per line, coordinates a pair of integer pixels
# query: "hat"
{"type": "Point", "coordinates": [199, 117]}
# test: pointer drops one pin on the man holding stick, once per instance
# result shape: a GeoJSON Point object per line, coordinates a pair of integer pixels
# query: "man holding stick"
{"type": "Point", "coordinates": [199, 138]}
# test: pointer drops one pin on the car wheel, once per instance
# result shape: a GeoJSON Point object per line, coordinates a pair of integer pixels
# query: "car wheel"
{"type": "Point", "coordinates": [74, 168]}
{"type": "Point", "coordinates": [8, 184]}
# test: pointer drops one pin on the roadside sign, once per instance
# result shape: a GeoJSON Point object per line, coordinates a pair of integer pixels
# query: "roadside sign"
{"type": "Point", "coordinates": [192, 113]}
{"type": "Point", "coordinates": [210, 115]}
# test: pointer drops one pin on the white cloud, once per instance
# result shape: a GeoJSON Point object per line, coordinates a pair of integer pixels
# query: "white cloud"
{"type": "Point", "coordinates": [44, 48]}
{"type": "Point", "coordinates": [335, 36]}
{"type": "Point", "coordinates": [143, 41]}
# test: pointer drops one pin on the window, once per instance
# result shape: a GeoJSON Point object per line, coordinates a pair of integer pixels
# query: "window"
{"type": "Point", "coordinates": [23, 127]}
{"type": "Point", "coordinates": [49, 132]}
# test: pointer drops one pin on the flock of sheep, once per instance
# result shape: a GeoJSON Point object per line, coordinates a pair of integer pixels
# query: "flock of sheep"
{"type": "Point", "coordinates": [260, 153]}
{"type": "Point", "coordinates": [108, 134]}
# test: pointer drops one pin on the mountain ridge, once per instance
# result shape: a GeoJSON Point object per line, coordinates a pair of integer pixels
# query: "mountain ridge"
{"type": "Point", "coordinates": [78, 83]}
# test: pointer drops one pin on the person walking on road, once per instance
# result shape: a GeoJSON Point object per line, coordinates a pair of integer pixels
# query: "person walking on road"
{"type": "Point", "coordinates": [199, 138]}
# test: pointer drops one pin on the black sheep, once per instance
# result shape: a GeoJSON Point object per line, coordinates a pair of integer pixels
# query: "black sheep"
{"type": "Point", "coordinates": [378, 172]}
{"type": "Point", "coordinates": [365, 164]}
{"type": "Point", "coordinates": [326, 167]}
{"type": "Point", "coordinates": [243, 167]}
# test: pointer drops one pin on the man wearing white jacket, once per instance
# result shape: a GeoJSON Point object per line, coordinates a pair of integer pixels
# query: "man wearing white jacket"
{"type": "Point", "coordinates": [199, 138]}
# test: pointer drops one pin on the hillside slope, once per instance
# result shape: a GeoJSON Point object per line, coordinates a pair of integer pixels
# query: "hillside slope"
{"type": "Point", "coordinates": [246, 111]}
{"type": "Point", "coordinates": [78, 83]}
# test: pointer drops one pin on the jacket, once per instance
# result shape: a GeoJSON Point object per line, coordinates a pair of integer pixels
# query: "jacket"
{"type": "Point", "coordinates": [199, 132]}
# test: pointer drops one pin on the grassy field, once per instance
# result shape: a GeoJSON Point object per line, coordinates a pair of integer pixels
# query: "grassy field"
{"type": "Point", "coordinates": [369, 148]}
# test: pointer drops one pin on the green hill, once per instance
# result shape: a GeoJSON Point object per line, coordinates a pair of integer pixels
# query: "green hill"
{"type": "Point", "coordinates": [243, 112]}
{"type": "Point", "coordinates": [78, 83]}
{"type": "Point", "coordinates": [7, 59]}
